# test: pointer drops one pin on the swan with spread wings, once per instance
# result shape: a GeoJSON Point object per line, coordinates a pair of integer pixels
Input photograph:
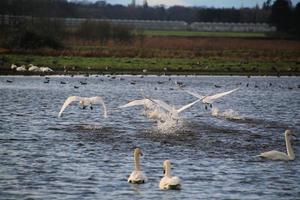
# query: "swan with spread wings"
{"type": "Point", "coordinates": [155, 104]}
{"type": "Point", "coordinates": [84, 102]}
{"type": "Point", "coordinates": [209, 99]}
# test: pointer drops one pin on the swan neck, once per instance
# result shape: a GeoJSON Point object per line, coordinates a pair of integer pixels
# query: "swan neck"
{"type": "Point", "coordinates": [168, 171]}
{"type": "Point", "coordinates": [137, 165]}
{"type": "Point", "coordinates": [289, 148]}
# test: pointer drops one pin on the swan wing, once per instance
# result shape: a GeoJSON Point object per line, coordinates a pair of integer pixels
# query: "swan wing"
{"type": "Point", "coordinates": [99, 100]}
{"type": "Point", "coordinates": [67, 102]}
{"type": "Point", "coordinates": [210, 99]}
{"type": "Point", "coordinates": [194, 94]}
{"type": "Point", "coordinates": [187, 106]}
{"type": "Point", "coordinates": [137, 102]}
{"type": "Point", "coordinates": [163, 104]}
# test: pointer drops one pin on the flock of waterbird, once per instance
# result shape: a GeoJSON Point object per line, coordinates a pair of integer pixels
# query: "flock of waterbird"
{"type": "Point", "coordinates": [160, 110]}
{"type": "Point", "coordinates": [30, 68]}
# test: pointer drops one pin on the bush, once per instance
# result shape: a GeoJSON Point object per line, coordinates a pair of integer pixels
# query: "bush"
{"type": "Point", "coordinates": [103, 31]}
{"type": "Point", "coordinates": [90, 30]}
{"type": "Point", "coordinates": [35, 34]}
{"type": "Point", "coordinates": [122, 34]}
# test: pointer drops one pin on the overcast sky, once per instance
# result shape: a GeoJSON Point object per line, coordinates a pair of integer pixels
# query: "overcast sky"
{"type": "Point", "coordinates": [207, 3]}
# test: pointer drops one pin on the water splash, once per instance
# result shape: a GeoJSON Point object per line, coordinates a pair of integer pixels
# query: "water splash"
{"type": "Point", "coordinates": [155, 113]}
{"type": "Point", "coordinates": [169, 125]}
{"type": "Point", "coordinates": [228, 113]}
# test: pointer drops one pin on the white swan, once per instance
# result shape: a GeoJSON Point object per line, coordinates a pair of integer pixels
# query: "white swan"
{"type": "Point", "coordinates": [13, 66]}
{"type": "Point", "coordinates": [151, 109]}
{"type": "Point", "coordinates": [84, 102]}
{"type": "Point", "coordinates": [33, 68]}
{"type": "Point", "coordinates": [168, 181]}
{"type": "Point", "coordinates": [137, 176]}
{"type": "Point", "coordinates": [21, 69]}
{"type": "Point", "coordinates": [46, 69]}
{"type": "Point", "coordinates": [147, 103]}
{"type": "Point", "coordinates": [209, 99]}
{"type": "Point", "coordinates": [171, 109]}
{"type": "Point", "coordinates": [277, 155]}
{"type": "Point", "coordinates": [154, 104]}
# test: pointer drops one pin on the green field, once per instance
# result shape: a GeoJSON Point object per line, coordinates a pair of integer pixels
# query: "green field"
{"type": "Point", "coordinates": [153, 65]}
{"type": "Point", "coordinates": [204, 34]}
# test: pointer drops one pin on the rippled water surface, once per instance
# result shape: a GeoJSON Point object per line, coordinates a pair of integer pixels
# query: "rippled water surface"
{"type": "Point", "coordinates": [84, 156]}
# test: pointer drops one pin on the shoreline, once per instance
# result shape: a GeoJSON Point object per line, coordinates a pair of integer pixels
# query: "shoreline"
{"type": "Point", "coordinates": [138, 73]}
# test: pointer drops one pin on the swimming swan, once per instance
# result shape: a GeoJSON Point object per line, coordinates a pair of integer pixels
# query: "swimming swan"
{"type": "Point", "coordinates": [277, 155]}
{"type": "Point", "coordinates": [209, 99]}
{"type": "Point", "coordinates": [137, 176]}
{"type": "Point", "coordinates": [84, 102]}
{"type": "Point", "coordinates": [168, 181]}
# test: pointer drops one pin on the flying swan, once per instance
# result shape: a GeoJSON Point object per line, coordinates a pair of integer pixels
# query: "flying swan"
{"type": "Point", "coordinates": [277, 155]}
{"type": "Point", "coordinates": [171, 109]}
{"type": "Point", "coordinates": [151, 109]}
{"type": "Point", "coordinates": [168, 181]}
{"type": "Point", "coordinates": [137, 176]}
{"type": "Point", "coordinates": [147, 103]}
{"type": "Point", "coordinates": [84, 102]}
{"type": "Point", "coordinates": [208, 100]}
{"type": "Point", "coordinates": [155, 103]}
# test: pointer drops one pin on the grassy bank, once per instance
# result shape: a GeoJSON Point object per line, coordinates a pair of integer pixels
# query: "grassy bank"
{"type": "Point", "coordinates": [153, 65]}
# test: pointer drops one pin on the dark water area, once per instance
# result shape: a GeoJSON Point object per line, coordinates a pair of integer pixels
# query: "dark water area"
{"type": "Point", "coordinates": [85, 156]}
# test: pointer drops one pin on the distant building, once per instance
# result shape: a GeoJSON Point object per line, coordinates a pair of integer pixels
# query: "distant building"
{"type": "Point", "coordinates": [157, 24]}
{"type": "Point", "coordinates": [133, 3]}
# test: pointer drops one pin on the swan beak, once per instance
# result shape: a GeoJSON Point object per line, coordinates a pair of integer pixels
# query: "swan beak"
{"type": "Point", "coordinates": [164, 171]}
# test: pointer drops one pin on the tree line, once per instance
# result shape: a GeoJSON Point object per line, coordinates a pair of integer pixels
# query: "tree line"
{"type": "Point", "coordinates": [279, 12]}
{"type": "Point", "coordinates": [51, 33]}
{"type": "Point", "coordinates": [101, 9]}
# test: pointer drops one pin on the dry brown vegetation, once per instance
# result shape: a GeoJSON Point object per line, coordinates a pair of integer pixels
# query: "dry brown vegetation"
{"type": "Point", "coordinates": [183, 47]}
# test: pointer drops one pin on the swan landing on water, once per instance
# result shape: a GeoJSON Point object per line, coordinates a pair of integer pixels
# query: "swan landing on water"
{"type": "Point", "coordinates": [137, 176]}
{"type": "Point", "coordinates": [154, 104]}
{"type": "Point", "coordinates": [277, 155]}
{"type": "Point", "coordinates": [173, 112]}
{"type": "Point", "coordinates": [84, 102]}
{"type": "Point", "coordinates": [208, 100]}
{"type": "Point", "coordinates": [168, 181]}
{"type": "Point", "coordinates": [151, 110]}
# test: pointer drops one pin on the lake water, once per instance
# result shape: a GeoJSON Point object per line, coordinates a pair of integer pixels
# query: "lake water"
{"type": "Point", "coordinates": [84, 156]}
